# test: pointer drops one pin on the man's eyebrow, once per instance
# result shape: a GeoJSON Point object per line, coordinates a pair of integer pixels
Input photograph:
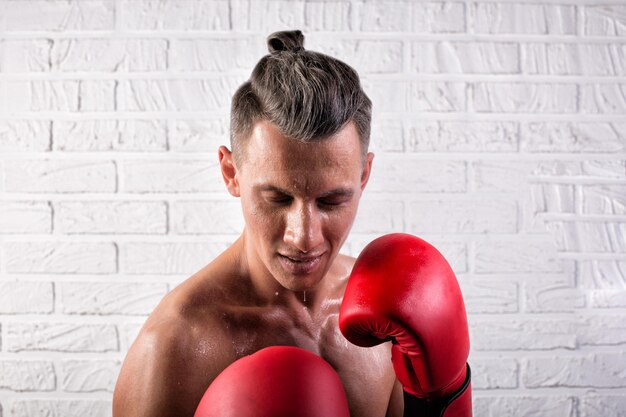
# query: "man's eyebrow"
{"type": "Point", "coordinates": [269, 187]}
{"type": "Point", "coordinates": [340, 192]}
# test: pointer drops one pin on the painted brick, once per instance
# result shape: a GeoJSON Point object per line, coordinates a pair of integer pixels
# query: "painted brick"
{"type": "Point", "coordinates": [21, 375]}
{"type": "Point", "coordinates": [60, 176]}
{"type": "Point", "coordinates": [120, 217]}
{"type": "Point", "coordinates": [63, 337]}
{"type": "Point", "coordinates": [327, 16]}
{"type": "Point", "coordinates": [518, 18]}
{"type": "Point", "coordinates": [602, 274]}
{"type": "Point", "coordinates": [552, 198]}
{"type": "Point", "coordinates": [25, 217]}
{"type": "Point", "coordinates": [574, 59]}
{"type": "Point", "coordinates": [465, 57]}
{"type": "Point", "coordinates": [502, 176]}
{"type": "Point", "coordinates": [199, 135]}
{"type": "Point", "coordinates": [174, 176]}
{"type": "Point", "coordinates": [26, 297]}
{"type": "Point", "coordinates": [522, 255]}
{"type": "Point", "coordinates": [109, 135]}
{"type": "Point", "coordinates": [605, 20]}
{"type": "Point", "coordinates": [604, 199]}
{"type": "Point", "coordinates": [525, 97]}
{"type": "Point", "coordinates": [590, 170]}
{"type": "Point", "coordinates": [108, 298]}
{"type": "Point", "coordinates": [519, 334]}
{"type": "Point", "coordinates": [378, 217]}
{"type": "Point", "coordinates": [602, 330]}
{"type": "Point", "coordinates": [383, 16]}
{"type": "Point", "coordinates": [437, 97]}
{"type": "Point", "coordinates": [60, 408]}
{"type": "Point", "coordinates": [97, 95]}
{"type": "Point", "coordinates": [109, 55]}
{"type": "Point", "coordinates": [489, 296]}
{"type": "Point", "coordinates": [468, 215]}
{"type": "Point", "coordinates": [494, 373]}
{"type": "Point", "coordinates": [527, 405]}
{"type": "Point", "coordinates": [358, 54]}
{"type": "Point", "coordinates": [22, 135]}
{"type": "Point", "coordinates": [143, 95]}
{"type": "Point", "coordinates": [43, 95]}
{"type": "Point", "coordinates": [574, 137]}
{"type": "Point", "coordinates": [552, 293]}
{"type": "Point", "coordinates": [608, 298]}
{"type": "Point", "coordinates": [212, 55]}
{"type": "Point", "coordinates": [175, 15]}
{"type": "Point", "coordinates": [453, 136]}
{"type": "Point", "coordinates": [589, 237]}
{"type": "Point", "coordinates": [444, 17]}
{"type": "Point", "coordinates": [167, 258]}
{"type": "Point", "coordinates": [532, 215]}
{"type": "Point", "coordinates": [25, 55]}
{"type": "Point", "coordinates": [387, 96]}
{"type": "Point", "coordinates": [128, 333]}
{"type": "Point", "coordinates": [210, 217]}
{"type": "Point", "coordinates": [417, 176]}
{"type": "Point", "coordinates": [387, 135]}
{"type": "Point", "coordinates": [88, 375]}
{"type": "Point", "coordinates": [608, 405]}
{"type": "Point", "coordinates": [593, 370]}
{"type": "Point", "coordinates": [177, 95]}
{"type": "Point", "coordinates": [60, 257]}
{"type": "Point", "coordinates": [58, 15]}
{"type": "Point", "coordinates": [603, 98]}
{"type": "Point", "coordinates": [275, 15]}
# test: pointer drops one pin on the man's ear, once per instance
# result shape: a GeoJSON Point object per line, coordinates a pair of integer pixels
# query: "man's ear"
{"type": "Point", "coordinates": [367, 169]}
{"type": "Point", "coordinates": [229, 170]}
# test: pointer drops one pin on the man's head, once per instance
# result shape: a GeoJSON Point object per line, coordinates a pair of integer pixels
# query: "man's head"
{"type": "Point", "coordinates": [308, 95]}
{"type": "Point", "coordinates": [299, 161]}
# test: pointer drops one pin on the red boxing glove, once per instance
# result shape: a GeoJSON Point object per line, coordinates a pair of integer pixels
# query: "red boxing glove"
{"type": "Point", "coordinates": [278, 381]}
{"type": "Point", "coordinates": [402, 289]}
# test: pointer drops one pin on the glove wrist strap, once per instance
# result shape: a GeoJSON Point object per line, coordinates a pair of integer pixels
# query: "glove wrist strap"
{"type": "Point", "coordinates": [458, 404]}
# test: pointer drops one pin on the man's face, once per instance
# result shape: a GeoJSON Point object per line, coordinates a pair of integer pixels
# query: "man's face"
{"type": "Point", "coordinates": [299, 201]}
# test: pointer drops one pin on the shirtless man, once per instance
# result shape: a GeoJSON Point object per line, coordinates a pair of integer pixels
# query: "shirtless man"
{"type": "Point", "coordinates": [299, 164]}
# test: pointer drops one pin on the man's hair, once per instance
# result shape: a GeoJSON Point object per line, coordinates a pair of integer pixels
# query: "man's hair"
{"type": "Point", "coordinates": [306, 94]}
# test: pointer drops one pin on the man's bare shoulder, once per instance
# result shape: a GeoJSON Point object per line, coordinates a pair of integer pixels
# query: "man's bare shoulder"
{"type": "Point", "coordinates": [180, 349]}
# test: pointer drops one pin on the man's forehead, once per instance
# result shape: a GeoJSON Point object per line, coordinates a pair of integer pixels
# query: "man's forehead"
{"type": "Point", "coordinates": [267, 143]}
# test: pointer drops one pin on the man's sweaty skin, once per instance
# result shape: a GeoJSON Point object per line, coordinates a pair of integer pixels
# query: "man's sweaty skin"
{"type": "Point", "coordinates": [280, 283]}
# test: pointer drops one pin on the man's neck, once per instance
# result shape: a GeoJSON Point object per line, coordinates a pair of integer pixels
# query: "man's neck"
{"type": "Point", "coordinates": [267, 290]}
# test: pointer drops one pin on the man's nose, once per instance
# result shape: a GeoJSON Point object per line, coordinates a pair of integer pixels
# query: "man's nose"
{"type": "Point", "coordinates": [304, 228]}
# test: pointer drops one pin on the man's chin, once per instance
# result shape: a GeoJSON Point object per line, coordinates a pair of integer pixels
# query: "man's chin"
{"type": "Point", "coordinates": [300, 282]}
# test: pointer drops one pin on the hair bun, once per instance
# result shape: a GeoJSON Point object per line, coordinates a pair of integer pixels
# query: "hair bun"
{"type": "Point", "coordinates": [288, 40]}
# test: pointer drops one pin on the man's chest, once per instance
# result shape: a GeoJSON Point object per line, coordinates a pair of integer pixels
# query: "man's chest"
{"type": "Point", "coordinates": [366, 373]}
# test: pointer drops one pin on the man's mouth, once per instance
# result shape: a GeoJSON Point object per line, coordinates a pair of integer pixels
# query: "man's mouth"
{"type": "Point", "coordinates": [300, 265]}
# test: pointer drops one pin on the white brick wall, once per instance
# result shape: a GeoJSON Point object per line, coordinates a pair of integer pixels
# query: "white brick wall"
{"type": "Point", "coordinates": [500, 135]}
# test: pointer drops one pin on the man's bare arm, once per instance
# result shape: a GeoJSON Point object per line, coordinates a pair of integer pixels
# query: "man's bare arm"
{"type": "Point", "coordinates": [396, 402]}
{"type": "Point", "coordinates": [163, 375]}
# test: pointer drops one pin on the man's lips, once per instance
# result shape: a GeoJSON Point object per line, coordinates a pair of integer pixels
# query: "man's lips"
{"type": "Point", "coordinates": [299, 258]}
{"type": "Point", "coordinates": [300, 265]}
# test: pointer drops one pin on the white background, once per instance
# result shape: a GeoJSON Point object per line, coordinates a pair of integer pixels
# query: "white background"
{"type": "Point", "coordinates": [500, 135]}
